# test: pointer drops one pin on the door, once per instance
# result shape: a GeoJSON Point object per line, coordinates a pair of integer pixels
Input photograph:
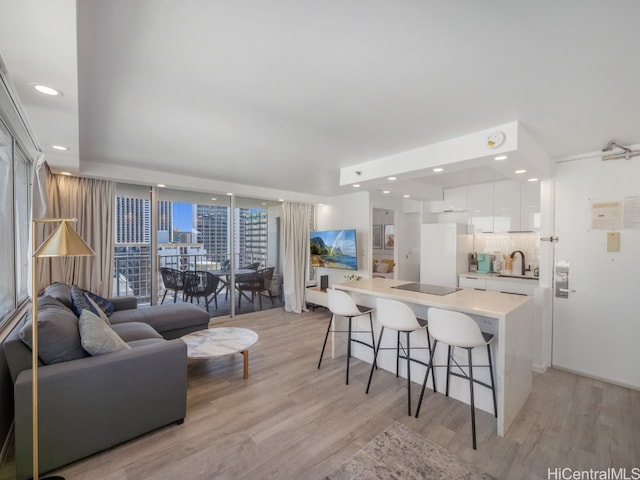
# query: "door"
{"type": "Point", "coordinates": [596, 329]}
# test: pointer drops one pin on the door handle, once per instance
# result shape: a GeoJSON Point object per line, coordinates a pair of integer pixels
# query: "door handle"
{"type": "Point", "coordinates": [566, 290]}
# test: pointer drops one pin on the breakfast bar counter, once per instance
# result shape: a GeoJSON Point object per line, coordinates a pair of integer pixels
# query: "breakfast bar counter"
{"type": "Point", "coordinates": [508, 316]}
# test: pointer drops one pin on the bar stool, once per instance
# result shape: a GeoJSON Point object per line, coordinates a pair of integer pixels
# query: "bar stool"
{"type": "Point", "coordinates": [342, 304]}
{"type": "Point", "coordinates": [460, 330]}
{"type": "Point", "coordinates": [398, 316]}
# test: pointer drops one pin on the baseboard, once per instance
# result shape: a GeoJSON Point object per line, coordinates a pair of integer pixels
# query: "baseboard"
{"type": "Point", "coordinates": [600, 379]}
{"type": "Point", "coordinates": [539, 368]}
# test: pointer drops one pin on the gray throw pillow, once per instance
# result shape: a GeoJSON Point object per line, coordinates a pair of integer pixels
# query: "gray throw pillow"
{"type": "Point", "coordinates": [96, 336]}
{"type": "Point", "coordinates": [101, 312]}
{"type": "Point", "coordinates": [58, 337]}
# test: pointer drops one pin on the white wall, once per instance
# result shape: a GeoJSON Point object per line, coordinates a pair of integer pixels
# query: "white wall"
{"type": "Point", "coordinates": [344, 212]}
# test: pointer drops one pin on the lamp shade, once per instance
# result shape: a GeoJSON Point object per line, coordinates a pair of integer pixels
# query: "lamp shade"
{"type": "Point", "coordinates": [64, 242]}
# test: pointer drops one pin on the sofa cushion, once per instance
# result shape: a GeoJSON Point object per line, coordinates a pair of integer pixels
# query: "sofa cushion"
{"type": "Point", "coordinates": [171, 321]}
{"type": "Point", "coordinates": [79, 302]}
{"type": "Point", "coordinates": [101, 312]}
{"type": "Point", "coordinates": [58, 336]}
{"type": "Point", "coordinates": [60, 291]}
{"type": "Point", "coordinates": [103, 303]}
{"type": "Point", "coordinates": [96, 336]}
{"type": "Point", "coordinates": [132, 331]}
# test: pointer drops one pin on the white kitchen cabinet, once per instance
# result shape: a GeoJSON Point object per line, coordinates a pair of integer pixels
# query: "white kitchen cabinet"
{"type": "Point", "coordinates": [466, 281]}
{"type": "Point", "coordinates": [480, 205]}
{"type": "Point", "coordinates": [506, 206]}
{"type": "Point", "coordinates": [530, 207]}
{"type": "Point", "coordinates": [520, 287]}
{"type": "Point", "coordinates": [455, 200]}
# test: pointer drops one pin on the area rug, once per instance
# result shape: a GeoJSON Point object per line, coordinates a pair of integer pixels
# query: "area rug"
{"type": "Point", "coordinates": [402, 454]}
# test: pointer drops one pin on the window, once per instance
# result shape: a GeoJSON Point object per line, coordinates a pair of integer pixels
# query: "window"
{"type": "Point", "coordinates": [15, 171]}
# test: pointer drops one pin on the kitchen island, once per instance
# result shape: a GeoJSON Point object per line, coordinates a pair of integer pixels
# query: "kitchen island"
{"type": "Point", "coordinates": [509, 317]}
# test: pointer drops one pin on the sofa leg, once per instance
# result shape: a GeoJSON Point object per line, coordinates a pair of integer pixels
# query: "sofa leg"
{"type": "Point", "coordinates": [180, 422]}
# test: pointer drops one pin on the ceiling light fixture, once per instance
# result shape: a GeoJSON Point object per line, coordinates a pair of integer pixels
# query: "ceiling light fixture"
{"type": "Point", "coordinates": [44, 89]}
{"type": "Point", "coordinates": [520, 171]}
{"type": "Point", "coordinates": [438, 169]}
{"type": "Point", "coordinates": [406, 195]}
{"type": "Point", "coordinates": [230, 194]}
{"type": "Point", "coordinates": [391, 179]}
{"type": "Point", "coordinates": [500, 157]}
{"type": "Point", "coordinates": [59, 147]}
{"type": "Point", "coordinates": [281, 199]}
{"type": "Point", "coordinates": [214, 198]}
{"type": "Point", "coordinates": [532, 179]}
{"type": "Point", "coordinates": [356, 185]}
{"type": "Point", "coordinates": [386, 192]}
{"type": "Point", "coordinates": [161, 185]}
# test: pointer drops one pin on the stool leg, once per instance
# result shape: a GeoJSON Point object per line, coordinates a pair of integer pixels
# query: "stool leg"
{"type": "Point", "coordinates": [426, 377]}
{"type": "Point", "coordinates": [325, 339]}
{"type": "Point", "coordinates": [473, 407]}
{"type": "Point", "coordinates": [493, 387]}
{"type": "Point", "coordinates": [397, 353]}
{"type": "Point", "coordinates": [408, 375]}
{"type": "Point", "coordinates": [433, 371]}
{"type": "Point", "coordinates": [373, 340]}
{"type": "Point", "coordinates": [348, 349]}
{"type": "Point", "coordinates": [375, 356]}
{"type": "Point", "coordinates": [448, 369]}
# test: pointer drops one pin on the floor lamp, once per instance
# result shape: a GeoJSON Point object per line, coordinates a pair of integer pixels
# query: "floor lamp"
{"type": "Point", "coordinates": [63, 242]}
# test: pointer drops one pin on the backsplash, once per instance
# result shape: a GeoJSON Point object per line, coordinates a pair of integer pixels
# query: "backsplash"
{"type": "Point", "coordinates": [494, 243]}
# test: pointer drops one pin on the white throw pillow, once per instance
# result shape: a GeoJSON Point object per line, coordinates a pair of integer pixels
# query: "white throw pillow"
{"type": "Point", "coordinates": [96, 336]}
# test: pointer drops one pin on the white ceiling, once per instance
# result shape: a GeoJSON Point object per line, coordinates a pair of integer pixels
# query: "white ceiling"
{"type": "Point", "coordinates": [282, 94]}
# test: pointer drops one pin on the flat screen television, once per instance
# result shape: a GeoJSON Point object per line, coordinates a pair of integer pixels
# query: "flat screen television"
{"type": "Point", "coordinates": [334, 249]}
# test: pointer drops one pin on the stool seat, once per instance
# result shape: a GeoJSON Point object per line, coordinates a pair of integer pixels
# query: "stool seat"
{"type": "Point", "coordinates": [398, 316]}
{"type": "Point", "coordinates": [342, 304]}
{"type": "Point", "coordinates": [457, 329]}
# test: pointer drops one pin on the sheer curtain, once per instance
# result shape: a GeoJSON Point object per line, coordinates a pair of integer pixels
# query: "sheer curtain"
{"type": "Point", "coordinates": [296, 254]}
{"type": "Point", "coordinates": [92, 202]}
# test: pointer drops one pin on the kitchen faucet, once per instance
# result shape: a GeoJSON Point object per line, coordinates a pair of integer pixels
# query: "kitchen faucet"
{"type": "Point", "coordinates": [522, 254]}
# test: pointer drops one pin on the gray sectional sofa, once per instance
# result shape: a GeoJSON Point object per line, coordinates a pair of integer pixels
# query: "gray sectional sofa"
{"type": "Point", "coordinates": [91, 403]}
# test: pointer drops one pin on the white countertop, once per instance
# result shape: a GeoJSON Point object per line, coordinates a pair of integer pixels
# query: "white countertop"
{"type": "Point", "coordinates": [486, 303]}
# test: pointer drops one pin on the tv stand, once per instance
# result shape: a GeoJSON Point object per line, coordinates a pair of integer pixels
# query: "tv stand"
{"type": "Point", "coordinates": [316, 297]}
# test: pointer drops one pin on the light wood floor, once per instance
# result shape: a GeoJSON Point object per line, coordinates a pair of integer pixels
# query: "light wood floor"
{"type": "Point", "coordinates": [292, 421]}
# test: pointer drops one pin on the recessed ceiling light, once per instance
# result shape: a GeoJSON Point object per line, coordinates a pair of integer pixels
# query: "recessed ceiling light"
{"type": "Point", "coordinates": [500, 157]}
{"type": "Point", "coordinates": [386, 192]}
{"type": "Point", "coordinates": [281, 199]}
{"type": "Point", "coordinates": [520, 171]}
{"type": "Point", "coordinates": [532, 179]}
{"type": "Point", "coordinates": [65, 173]}
{"type": "Point", "coordinates": [392, 178]}
{"type": "Point", "coordinates": [406, 196]}
{"type": "Point", "coordinates": [59, 147]}
{"type": "Point", "coordinates": [356, 185]}
{"type": "Point", "coordinates": [438, 169]}
{"type": "Point", "coordinates": [214, 198]}
{"type": "Point", "coordinates": [263, 203]}
{"type": "Point", "coordinates": [47, 90]}
{"type": "Point", "coordinates": [230, 194]}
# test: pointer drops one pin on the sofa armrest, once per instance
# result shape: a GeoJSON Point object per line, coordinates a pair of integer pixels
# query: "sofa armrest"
{"type": "Point", "coordinates": [94, 403]}
{"type": "Point", "coordinates": [124, 303]}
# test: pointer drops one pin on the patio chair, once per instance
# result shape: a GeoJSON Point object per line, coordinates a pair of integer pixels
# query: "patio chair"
{"type": "Point", "coordinates": [173, 280]}
{"type": "Point", "coordinates": [258, 284]}
{"type": "Point", "coordinates": [200, 284]}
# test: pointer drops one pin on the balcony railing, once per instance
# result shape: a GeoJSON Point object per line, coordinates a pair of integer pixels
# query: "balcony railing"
{"type": "Point", "coordinates": [132, 270]}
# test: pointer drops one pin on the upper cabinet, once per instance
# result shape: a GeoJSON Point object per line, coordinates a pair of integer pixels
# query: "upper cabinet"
{"type": "Point", "coordinates": [530, 207]}
{"type": "Point", "coordinates": [506, 212]}
{"type": "Point", "coordinates": [481, 207]}
{"type": "Point", "coordinates": [455, 200]}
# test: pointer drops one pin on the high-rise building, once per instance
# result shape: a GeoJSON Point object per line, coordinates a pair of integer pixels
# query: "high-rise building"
{"type": "Point", "coordinates": [133, 220]}
{"type": "Point", "coordinates": [213, 231]}
{"type": "Point", "coordinates": [252, 237]}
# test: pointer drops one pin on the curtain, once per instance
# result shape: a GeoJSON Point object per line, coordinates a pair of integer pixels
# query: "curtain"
{"type": "Point", "coordinates": [92, 202]}
{"type": "Point", "coordinates": [296, 254]}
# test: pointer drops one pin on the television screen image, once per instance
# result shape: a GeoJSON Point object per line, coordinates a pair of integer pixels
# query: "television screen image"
{"type": "Point", "coordinates": [334, 249]}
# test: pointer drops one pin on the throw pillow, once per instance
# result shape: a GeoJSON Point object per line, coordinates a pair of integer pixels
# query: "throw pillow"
{"type": "Point", "coordinates": [58, 337]}
{"type": "Point", "coordinates": [79, 301]}
{"type": "Point", "coordinates": [97, 337]}
{"type": "Point", "coordinates": [60, 291]}
{"type": "Point", "coordinates": [381, 267]}
{"type": "Point", "coordinates": [101, 312]}
{"type": "Point", "coordinates": [105, 305]}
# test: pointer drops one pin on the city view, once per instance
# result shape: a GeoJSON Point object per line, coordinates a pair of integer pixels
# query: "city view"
{"type": "Point", "coordinates": [189, 237]}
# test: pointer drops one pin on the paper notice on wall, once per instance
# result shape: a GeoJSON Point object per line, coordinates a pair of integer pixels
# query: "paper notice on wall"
{"type": "Point", "coordinates": [606, 215]}
{"type": "Point", "coordinates": [632, 212]}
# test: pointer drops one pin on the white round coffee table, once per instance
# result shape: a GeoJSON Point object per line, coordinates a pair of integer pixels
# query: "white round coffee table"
{"type": "Point", "coordinates": [219, 342]}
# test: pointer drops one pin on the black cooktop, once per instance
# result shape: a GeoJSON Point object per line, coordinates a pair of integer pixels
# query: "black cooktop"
{"type": "Point", "coordinates": [425, 288]}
